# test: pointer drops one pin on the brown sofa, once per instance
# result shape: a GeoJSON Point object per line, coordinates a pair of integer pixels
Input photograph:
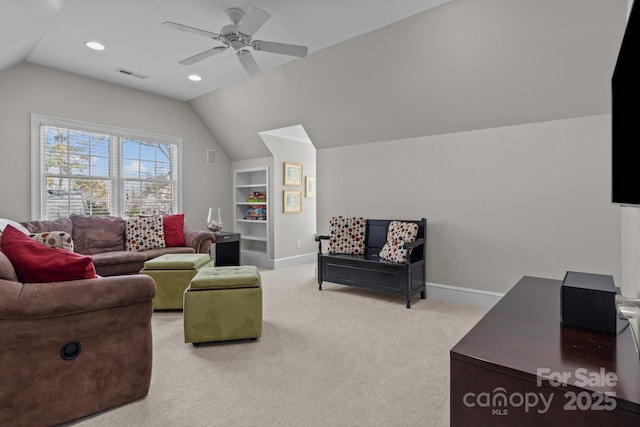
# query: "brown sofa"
{"type": "Point", "coordinates": [42, 325]}
{"type": "Point", "coordinates": [103, 237]}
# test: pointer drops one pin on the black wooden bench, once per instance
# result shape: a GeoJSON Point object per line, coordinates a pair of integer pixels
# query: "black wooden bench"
{"type": "Point", "coordinates": [369, 271]}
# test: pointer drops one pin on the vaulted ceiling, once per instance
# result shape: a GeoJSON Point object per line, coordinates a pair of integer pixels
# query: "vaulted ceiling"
{"type": "Point", "coordinates": [465, 65]}
{"type": "Point", "coordinates": [376, 70]}
{"type": "Point", "coordinates": [54, 32]}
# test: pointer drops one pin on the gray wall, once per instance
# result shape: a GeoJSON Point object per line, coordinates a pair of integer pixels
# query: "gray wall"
{"type": "Point", "coordinates": [500, 203]}
{"type": "Point", "coordinates": [286, 229]}
{"type": "Point", "coordinates": [465, 65]}
{"type": "Point", "coordinates": [291, 227]}
{"type": "Point", "coordinates": [397, 117]}
{"type": "Point", "coordinates": [28, 88]}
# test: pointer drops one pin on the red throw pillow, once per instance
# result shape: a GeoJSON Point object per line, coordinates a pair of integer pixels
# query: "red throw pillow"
{"type": "Point", "coordinates": [174, 230]}
{"type": "Point", "coordinates": [37, 263]}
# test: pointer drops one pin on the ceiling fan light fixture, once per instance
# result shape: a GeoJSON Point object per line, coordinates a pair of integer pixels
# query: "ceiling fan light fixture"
{"type": "Point", "coordinates": [237, 36]}
{"type": "Point", "coordinates": [194, 78]}
{"type": "Point", "coordinates": [92, 44]}
{"type": "Point", "coordinates": [236, 44]}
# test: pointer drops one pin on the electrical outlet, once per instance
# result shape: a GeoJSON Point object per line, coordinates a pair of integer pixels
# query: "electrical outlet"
{"type": "Point", "coordinates": [298, 244]}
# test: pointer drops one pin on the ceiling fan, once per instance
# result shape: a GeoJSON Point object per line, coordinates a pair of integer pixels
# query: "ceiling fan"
{"type": "Point", "coordinates": [238, 36]}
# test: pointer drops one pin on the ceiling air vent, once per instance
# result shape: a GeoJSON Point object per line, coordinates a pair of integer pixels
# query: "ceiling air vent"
{"type": "Point", "coordinates": [130, 73]}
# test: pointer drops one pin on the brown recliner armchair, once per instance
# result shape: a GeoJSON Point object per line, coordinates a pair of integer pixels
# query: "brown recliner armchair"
{"type": "Point", "coordinates": [71, 349]}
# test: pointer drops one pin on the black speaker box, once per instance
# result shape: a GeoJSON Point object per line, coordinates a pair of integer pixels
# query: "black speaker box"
{"type": "Point", "coordinates": [588, 301]}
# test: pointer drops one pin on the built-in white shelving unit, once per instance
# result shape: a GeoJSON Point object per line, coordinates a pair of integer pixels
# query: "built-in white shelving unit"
{"type": "Point", "coordinates": [251, 202]}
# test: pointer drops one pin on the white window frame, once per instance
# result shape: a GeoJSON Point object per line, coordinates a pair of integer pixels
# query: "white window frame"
{"type": "Point", "coordinates": [38, 183]}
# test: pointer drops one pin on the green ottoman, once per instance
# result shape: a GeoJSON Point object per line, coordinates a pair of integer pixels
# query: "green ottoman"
{"type": "Point", "coordinates": [172, 274]}
{"type": "Point", "coordinates": [223, 303]}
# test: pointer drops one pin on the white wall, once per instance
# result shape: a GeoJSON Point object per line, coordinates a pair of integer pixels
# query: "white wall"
{"type": "Point", "coordinates": [500, 203]}
{"type": "Point", "coordinates": [28, 88]}
{"type": "Point", "coordinates": [291, 227]}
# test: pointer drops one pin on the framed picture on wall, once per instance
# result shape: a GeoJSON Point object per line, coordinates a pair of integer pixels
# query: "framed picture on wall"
{"type": "Point", "coordinates": [292, 201]}
{"type": "Point", "coordinates": [292, 174]}
{"type": "Point", "coordinates": [310, 187]}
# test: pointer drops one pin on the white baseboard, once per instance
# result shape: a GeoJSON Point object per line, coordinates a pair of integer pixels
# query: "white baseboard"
{"type": "Point", "coordinates": [256, 258]}
{"type": "Point", "coordinates": [463, 295]}
{"type": "Point", "coordinates": [295, 260]}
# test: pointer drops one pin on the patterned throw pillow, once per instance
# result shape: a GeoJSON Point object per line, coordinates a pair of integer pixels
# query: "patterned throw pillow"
{"type": "Point", "coordinates": [398, 234]}
{"type": "Point", "coordinates": [346, 235]}
{"type": "Point", "coordinates": [144, 233]}
{"type": "Point", "coordinates": [54, 239]}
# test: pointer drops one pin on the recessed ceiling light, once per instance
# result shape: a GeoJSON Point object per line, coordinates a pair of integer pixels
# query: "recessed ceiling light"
{"type": "Point", "coordinates": [194, 78]}
{"type": "Point", "coordinates": [95, 45]}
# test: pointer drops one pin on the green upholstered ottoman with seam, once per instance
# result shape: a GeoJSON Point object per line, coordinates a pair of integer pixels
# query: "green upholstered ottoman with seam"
{"type": "Point", "coordinates": [172, 274]}
{"type": "Point", "coordinates": [223, 303]}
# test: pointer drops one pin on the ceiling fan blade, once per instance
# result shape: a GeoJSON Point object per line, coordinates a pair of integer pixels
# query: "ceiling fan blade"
{"type": "Point", "coordinates": [248, 62]}
{"type": "Point", "coordinates": [202, 55]}
{"type": "Point", "coordinates": [282, 48]}
{"type": "Point", "coordinates": [253, 21]}
{"type": "Point", "coordinates": [192, 30]}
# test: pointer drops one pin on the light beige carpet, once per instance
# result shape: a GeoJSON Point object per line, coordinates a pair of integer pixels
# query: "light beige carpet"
{"type": "Point", "coordinates": [337, 357]}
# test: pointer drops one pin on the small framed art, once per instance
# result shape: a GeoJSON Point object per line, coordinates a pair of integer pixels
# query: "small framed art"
{"type": "Point", "coordinates": [292, 201]}
{"type": "Point", "coordinates": [310, 187]}
{"type": "Point", "coordinates": [292, 174]}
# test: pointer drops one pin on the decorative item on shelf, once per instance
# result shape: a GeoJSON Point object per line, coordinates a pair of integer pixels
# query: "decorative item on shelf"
{"type": "Point", "coordinates": [212, 224]}
{"type": "Point", "coordinates": [257, 197]}
{"type": "Point", "coordinates": [256, 213]}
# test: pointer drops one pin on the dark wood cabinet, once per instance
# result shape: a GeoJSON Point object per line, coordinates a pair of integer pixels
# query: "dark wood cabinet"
{"type": "Point", "coordinates": [226, 249]}
{"type": "Point", "coordinates": [520, 366]}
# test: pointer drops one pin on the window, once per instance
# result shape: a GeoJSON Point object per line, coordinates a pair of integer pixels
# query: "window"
{"type": "Point", "coordinates": [146, 174]}
{"type": "Point", "coordinates": [98, 170]}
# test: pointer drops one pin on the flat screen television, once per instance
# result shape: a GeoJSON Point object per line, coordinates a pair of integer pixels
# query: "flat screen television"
{"type": "Point", "coordinates": [625, 113]}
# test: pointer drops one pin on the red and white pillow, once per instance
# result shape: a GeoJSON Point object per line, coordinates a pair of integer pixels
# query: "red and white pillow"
{"type": "Point", "coordinates": [54, 239]}
{"type": "Point", "coordinates": [398, 234]}
{"type": "Point", "coordinates": [143, 233]}
{"type": "Point", "coordinates": [173, 228]}
{"type": "Point", "coordinates": [346, 235]}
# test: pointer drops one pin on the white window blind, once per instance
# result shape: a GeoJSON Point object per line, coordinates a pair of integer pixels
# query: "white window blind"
{"type": "Point", "coordinates": [99, 170]}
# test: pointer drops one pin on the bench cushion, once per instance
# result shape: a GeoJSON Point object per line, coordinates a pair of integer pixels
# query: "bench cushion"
{"type": "Point", "coordinates": [347, 235]}
{"type": "Point", "coordinates": [399, 233]}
